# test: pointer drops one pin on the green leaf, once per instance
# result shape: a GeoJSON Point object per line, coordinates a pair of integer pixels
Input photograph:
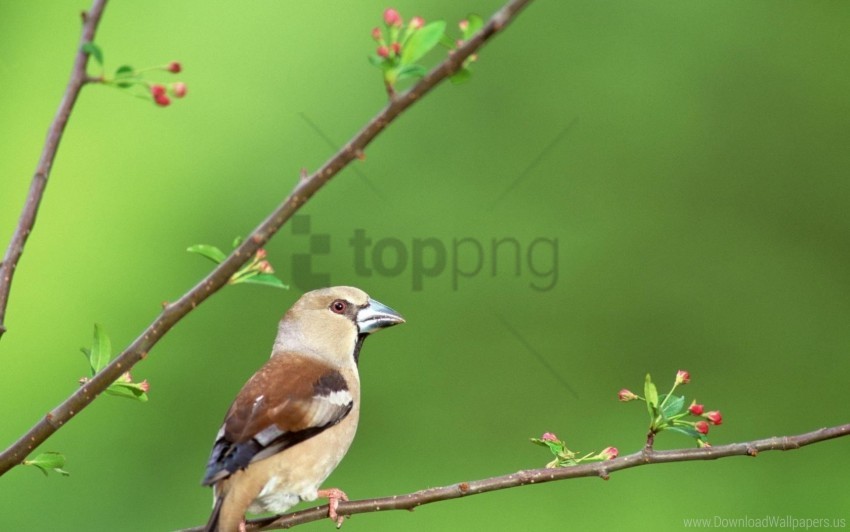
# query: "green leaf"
{"type": "Point", "coordinates": [49, 461]}
{"type": "Point", "coordinates": [475, 25]}
{"type": "Point", "coordinates": [101, 350]}
{"type": "Point", "coordinates": [410, 71]}
{"type": "Point", "coordinates": [94, 50]}
{"type": "Point", "coordinates": [266, 279]}
{"type": "Point", "coordinates": [238, 240]}
{"type": "Point", "coordinates": [555, 447]}
{"type": "Point", "coordinates": [128, 390]}
{"type": "Point", "coordinates": [651, 395]}
{"type": "Point", "coordinates": [210, 252]}
{"type": "Point", "coordinates": [422, 42]}
{"type": "Point", "coordinates": [687, 431]}
{"type": "Point", "coordinates": [376, 60]}
{"type": "Point", "coordinates": [462, 75]}
{"type": "Point", "coordinates": [673, 406]}
{"type": "Point", "coordinates": [124, 72]}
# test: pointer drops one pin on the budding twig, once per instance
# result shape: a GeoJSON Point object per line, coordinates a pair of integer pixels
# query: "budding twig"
{"type": "Point", "coordinates": [603, 469]}
{"type": "Point", "coordinates": [218, 278]}
{"type": "Point", "coordinates": [45, 162]}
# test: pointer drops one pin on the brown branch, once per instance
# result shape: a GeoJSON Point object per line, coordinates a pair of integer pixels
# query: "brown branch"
{"type": "Point", "coordinates": [45, 162]}
{"type": "Point", "coordinates": [602, 470]}
{"type": "Point", "coordinates": [303, 191]}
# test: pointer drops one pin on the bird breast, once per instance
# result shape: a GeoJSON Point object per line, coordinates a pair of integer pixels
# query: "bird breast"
{"type": "Point", "coordinates": [290, 482]}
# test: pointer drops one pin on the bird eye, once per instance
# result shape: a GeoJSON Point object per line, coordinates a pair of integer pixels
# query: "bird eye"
{"type": "Point", "coordinates": [339, 306]}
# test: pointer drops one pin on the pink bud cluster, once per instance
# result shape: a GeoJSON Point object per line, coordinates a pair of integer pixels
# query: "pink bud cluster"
{"type": "Point", "coordinates": [713, 417]}
{"type": "Point", "coordinates": [260, 263]}
{"type": "Point", "coordinates": [162, 93]}
{"type": "Point", "coordinates": [391, 47]}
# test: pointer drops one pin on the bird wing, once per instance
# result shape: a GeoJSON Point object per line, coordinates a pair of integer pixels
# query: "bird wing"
{"type": "Point", "coordinates": [292, 398]}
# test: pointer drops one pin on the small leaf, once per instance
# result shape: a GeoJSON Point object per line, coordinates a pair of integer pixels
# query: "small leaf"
{"type": "Point", "coordinates": [128, 390]}
{"type": "Point", "coordinates": [94, 50]}
{"type": "Point", "coordinates": [687, 431]}
{"type": "Point", "coordinates": [651, 395]}
{"type": "Point", "coordinates": [474, 26]}
{"type": "Point", "coordinates": [376, 60]}
{"type": "Point", "coordinates": [49, 461]}
{"type": "Point", "coordinates": [410, 71]}
{"type": "Point", "coordinates": [101, 350]}
{"type": "Point", "coordinates": [555, 447]}
{"type": "Point", "coordinates": [210, 252]}
{"type": "Point", "coordinates": [673, 406]}
{"type": "Point", "coordinates": [422, 42]}
{"type": "Point", "coordinates": [266, 279]}
{"type": "Point", "coordinates": [238, 240]}
{"type": "Point", "coordinates": [124, 72]}
{"type": "Point", "coordinates": [462, 75]}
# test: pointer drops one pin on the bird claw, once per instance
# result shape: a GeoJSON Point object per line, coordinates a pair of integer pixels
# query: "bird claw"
{"type": "Point", "coordinates": [334, 495]}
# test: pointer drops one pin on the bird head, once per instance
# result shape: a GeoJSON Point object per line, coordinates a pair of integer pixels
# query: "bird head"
{"type": "Point", "coordinates": [332, 323]}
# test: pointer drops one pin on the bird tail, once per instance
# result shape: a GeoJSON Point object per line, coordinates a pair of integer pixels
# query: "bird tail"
{"type": "Point", "coordinates": [212, 523]}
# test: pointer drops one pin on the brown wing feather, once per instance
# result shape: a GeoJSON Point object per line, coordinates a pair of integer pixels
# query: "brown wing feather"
{"type": "Point", "coordinates": [288, 400]}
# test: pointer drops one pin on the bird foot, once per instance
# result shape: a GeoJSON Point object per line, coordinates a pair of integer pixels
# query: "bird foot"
{"type": "Point", "coordinates": [334, 495]}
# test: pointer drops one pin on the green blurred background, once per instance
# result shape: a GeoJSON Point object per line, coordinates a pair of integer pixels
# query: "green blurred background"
{"type": "Point", "coordinates": [689, 158]}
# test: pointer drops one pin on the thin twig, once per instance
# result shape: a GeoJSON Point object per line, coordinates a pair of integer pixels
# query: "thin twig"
{"type": "Point", "coordinates": [303, 191]}
{"type": "Point", "coordinates": [602, 470]}
{"type": "Point", "coordinates": [42, 172]}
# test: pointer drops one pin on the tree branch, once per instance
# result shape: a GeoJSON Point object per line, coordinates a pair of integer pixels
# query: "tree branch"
{"type": "Point", "coordinates": [45, 162]}
{"type": "Point", "coordinates": [410, 501]}
{"type": "Point", "coordinates": [303, 191]}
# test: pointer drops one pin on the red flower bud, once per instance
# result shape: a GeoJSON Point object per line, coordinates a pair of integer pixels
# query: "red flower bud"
{"type": "Point", "coordinates": [715, 417]}
{"type": "Point", "coordinates": [162, 100]}
{"type": "Point", "coordinates": [383, 51]}
{"type": "Point", "coordinates": [463, 25]}
{"type": "Point", "coordinates": [683, 377]}
{"type": "Point", "coordinates": [396, 48]}
{"type": "Point", "coordinates": [625, 395]}
{"type": "Point", "coordinates": [145, 386]}
{"type": "Point", "coordinates": [548, 436]}
{"type": "Point", "coordinates": [157, 90]}
{"type": "Point", "coordinates": [609, 453]}
{"type": "Point", "coordinates": [392, 18]}
{"type": "Point", "coordinates": [376, 34]}
{"type": "Point", "coordinates": [417, 22]}
{"type": "Point", "coordinates": [261, 254]}
{"type": "Point", "coordinates": [174, 67]}
{"type": "Point", "coordinates": [179, 89]}
{"type": "Point", "coordinates": [696, 409]}
{"type": "Point", "coordinates": [264, 267]}
{"type": "Point", "coordinates": [701, 426]}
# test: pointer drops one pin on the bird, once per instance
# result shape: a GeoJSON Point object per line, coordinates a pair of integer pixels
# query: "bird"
{"type": "Point", "coordinates": [294, 420]}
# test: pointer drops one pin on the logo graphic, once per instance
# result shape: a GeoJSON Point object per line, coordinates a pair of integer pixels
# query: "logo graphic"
{"type": "Point", "coordinates": [426, 260]}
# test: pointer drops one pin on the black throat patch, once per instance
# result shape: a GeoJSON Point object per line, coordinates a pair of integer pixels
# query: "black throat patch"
{"type": "Point", "coordinates": [357, 345]}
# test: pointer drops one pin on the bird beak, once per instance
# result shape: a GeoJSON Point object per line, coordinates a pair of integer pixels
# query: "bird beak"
{"type": "Point", "coordinates": [375, 316]}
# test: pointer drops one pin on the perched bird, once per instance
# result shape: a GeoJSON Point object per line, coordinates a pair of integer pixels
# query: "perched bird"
{"type": "Point", "coordinates": [294, 420]}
